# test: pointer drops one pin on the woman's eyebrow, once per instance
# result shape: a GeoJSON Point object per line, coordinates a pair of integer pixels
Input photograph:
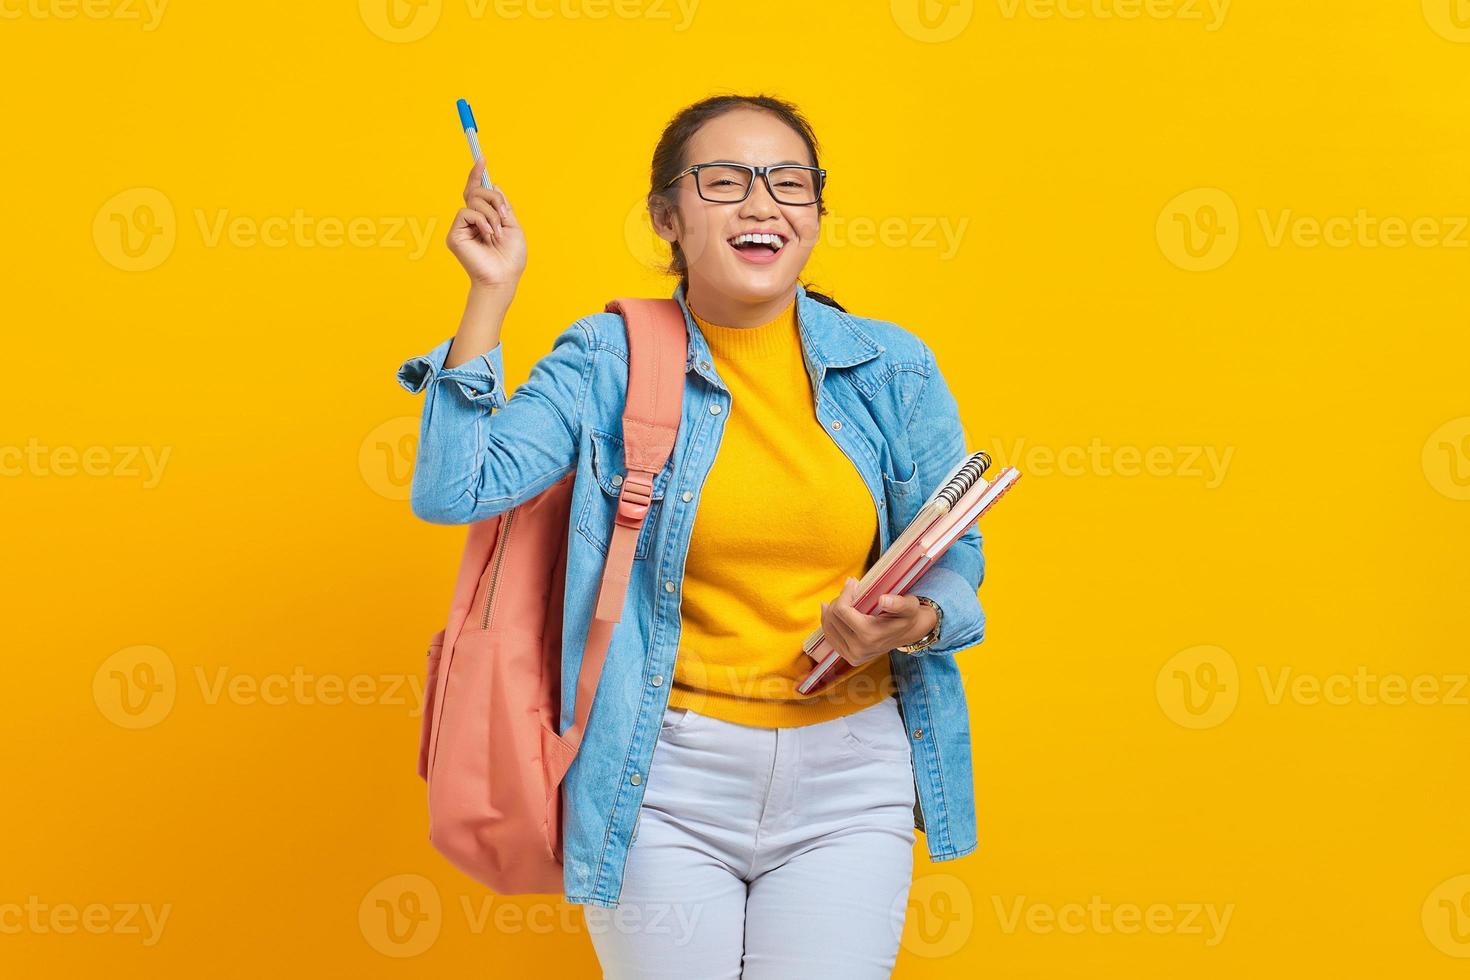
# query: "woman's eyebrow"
{"type": "Point", "coordinates": [778, 163]}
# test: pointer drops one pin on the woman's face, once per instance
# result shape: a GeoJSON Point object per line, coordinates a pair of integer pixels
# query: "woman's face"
{"type": "Point", "coordinates": [718, 271]}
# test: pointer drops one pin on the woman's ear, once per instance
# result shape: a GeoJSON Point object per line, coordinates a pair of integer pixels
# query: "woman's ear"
{"type": "Point", "coordinates": [664, 217]}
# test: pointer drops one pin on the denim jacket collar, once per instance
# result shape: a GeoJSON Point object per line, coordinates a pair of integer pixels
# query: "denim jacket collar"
{"type": "Point", "coordinates": [828, 338]}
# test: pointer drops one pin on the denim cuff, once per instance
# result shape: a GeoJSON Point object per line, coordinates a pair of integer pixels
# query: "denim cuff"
{"type": "Point", "coordinates": [480, 379]}
{"type": "Point", "coordinates": [964, 620]}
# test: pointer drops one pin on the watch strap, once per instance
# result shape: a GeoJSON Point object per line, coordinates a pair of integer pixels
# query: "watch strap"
{"type": "Point", "coordinates": [930, 638]}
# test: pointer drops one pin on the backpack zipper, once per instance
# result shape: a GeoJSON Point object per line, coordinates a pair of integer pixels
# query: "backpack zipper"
{"type": "Point", "coordinates": [495, 568]}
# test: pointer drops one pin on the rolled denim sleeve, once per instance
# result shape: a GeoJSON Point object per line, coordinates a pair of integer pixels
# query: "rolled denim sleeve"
{"type": "Point", "coordinates": [479, 378]}
{"type": "Point", "coordinates": [481, 452]}
{"type": "Point", "coordinates": [953, 581]}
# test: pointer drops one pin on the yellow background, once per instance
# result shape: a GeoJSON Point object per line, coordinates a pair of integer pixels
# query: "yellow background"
{"type": "Point", "coordinates": [1134, 746]}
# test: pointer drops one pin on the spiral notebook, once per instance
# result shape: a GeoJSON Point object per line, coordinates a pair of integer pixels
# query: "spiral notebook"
{"type": "Point", "coordinates": [959, 500]}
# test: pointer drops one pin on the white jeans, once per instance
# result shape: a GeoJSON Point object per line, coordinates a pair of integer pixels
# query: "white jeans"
{"type": "Point", "coordinates": [766, 853]}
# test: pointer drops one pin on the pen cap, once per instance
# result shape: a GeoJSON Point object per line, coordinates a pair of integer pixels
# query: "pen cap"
{"type": "Point", "coordinates": [466, 116]}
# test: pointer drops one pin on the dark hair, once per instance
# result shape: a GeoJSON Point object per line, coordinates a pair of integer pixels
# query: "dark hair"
{"type": "Point", "coordinates": [668, 158]}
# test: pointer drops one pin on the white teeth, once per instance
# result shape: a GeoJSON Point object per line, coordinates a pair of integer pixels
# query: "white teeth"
{"type": "Point", "coordinates": [759, 239]}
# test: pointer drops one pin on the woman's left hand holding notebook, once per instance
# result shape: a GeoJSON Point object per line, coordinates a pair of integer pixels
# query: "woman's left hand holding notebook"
{"type": "Point", "coordinates": [861, 636]}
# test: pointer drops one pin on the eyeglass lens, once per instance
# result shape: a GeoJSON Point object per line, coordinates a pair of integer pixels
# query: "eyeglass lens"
{"type": "Point", "coordinates": [789, 185]}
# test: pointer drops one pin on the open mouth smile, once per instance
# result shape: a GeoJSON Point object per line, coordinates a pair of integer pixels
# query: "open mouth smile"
{"type": "Point", "coordinates": [759, 248]}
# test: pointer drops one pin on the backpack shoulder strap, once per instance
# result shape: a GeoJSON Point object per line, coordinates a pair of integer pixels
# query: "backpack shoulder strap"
{"type": "Point", "coordinates": [658, 345]}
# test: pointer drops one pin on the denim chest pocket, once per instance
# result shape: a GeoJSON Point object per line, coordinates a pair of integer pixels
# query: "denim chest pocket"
{"type": "Point", "coordinates": [903, 495]}
{"type": "Point", "coordinates": [597, 505]}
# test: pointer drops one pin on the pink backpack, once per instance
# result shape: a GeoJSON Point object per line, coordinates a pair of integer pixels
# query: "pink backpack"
{"type": "Point", "coordinates": [494, 775]}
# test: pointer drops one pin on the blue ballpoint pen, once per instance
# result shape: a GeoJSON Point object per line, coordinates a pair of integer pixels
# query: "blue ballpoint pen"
{"type": "Point", "coordinates": [472, 133]}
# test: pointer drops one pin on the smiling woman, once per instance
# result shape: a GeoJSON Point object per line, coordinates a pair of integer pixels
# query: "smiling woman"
{"type": "Point", "coordinates": [807, 437]}
{"type": "Point", "coordinates": [718, 152]}
{"type": "Point", "coordinates": [784, 519]}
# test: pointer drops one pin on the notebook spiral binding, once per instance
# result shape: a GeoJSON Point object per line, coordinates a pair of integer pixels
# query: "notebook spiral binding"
{"type": "Point", "coordinates": [968, 475]}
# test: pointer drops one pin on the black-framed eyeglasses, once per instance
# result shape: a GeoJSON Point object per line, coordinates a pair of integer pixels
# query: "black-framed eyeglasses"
{"type": "Point", "coordinates": [730, 183]}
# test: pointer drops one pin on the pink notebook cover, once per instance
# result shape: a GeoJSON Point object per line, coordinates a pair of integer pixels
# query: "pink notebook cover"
{"type": "Point", "coordinates": [910, 555]}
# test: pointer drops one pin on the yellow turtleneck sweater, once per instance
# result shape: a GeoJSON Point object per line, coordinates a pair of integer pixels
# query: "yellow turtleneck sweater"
{"type": "Point", "coordinates": [783, 520]}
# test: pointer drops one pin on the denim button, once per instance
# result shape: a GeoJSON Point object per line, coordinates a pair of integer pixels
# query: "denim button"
{"type": "Point", "coordinates": [657, 680]}
{"type": "Point", "coordinates": [836, 423]}
{"type": "Point", "coordinates": [918, 733]}
{"type": "Point", "coordinates": [714, 409]}
{"type": "Point", "coordinates": [688, 496]}
{"type": "Point", "coordinates": [668, 586]}
{"type": "Point", "coordinates": [617, 479]}
{"type": "Point", "coordinates": [635, 779]}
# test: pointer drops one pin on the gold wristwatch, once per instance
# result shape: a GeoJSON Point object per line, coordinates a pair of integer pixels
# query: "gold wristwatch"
{"type": "Point", "coordinates": [930, 638]}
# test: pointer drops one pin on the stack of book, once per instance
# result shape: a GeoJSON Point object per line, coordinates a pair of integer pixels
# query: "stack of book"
{"type": "Point", "coordinates": [959, 500]}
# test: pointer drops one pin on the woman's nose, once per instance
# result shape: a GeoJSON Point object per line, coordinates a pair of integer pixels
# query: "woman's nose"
{"type": "Point", "coordinates": [760, 203]}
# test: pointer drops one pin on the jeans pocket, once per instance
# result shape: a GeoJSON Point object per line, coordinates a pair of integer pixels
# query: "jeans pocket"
{"type": "Point", "coordinates": [876, 733]}
{"type": "Point", "coordinates": [674, 720]}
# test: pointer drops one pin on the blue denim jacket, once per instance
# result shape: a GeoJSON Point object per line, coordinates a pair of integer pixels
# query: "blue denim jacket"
{"type": "Point", "coordinates": [882, 399]}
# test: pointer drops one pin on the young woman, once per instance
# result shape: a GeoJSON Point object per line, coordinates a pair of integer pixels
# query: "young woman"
{"type": "Point", "coordinates": [717, 823]}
